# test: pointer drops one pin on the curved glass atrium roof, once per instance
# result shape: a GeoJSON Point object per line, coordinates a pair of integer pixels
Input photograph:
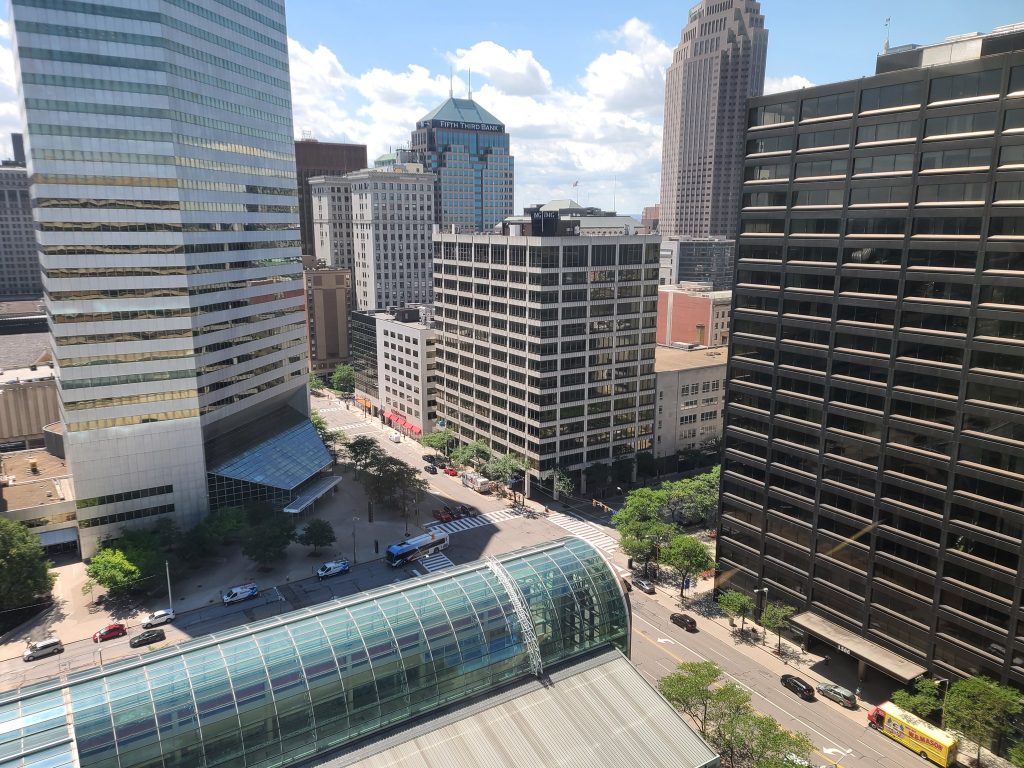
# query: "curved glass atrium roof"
{"type": "Point", "coordinates": [287, 688]}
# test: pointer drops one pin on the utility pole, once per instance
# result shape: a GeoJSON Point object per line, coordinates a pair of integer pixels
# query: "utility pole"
{"type": "Point", "coordinates": [170, 600]}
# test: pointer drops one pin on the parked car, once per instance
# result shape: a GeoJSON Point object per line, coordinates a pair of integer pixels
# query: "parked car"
{"type": "Point", "coordinates": [451, 472]}
{"type": "Point", "coordinates": [799, 686]}
{"type": "Point", "coordinates": [430, 458]}
{"type": "Point", "coordinates": [441, 516]}
{"type": "Point", "coordinates": [109, 632]}
{"type": "Point", "coordinates": [440, 462]}
{"type": "Point", "coordinates": [147, 637]}
{"type": "Point", "coordinates": [163, 616]}
{"type": "Point", "coordinates": [838, 694]}
{"type": "Point", "coordinates": [643, 585]}
{"type": "Point", "coordinates": [430, 469]}
{"type": "Point", "coordinates": [685, 621]}
{"type": "Point", "coordinates": [333, 568]}
{"type": "Point", "coordinates": [41, 648]}
{"type": "Point", "coordinates": [239, 593]}
{"type": "Point", "coordinates": [467, 510]}
{"type": "Point", "coordinates": [394, 437]}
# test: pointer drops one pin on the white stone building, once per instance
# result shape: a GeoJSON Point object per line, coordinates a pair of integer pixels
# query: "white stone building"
{"type": "Point", "coordinates": [406, 367]}
{"type": "Point", "coordinates": [691, 391]}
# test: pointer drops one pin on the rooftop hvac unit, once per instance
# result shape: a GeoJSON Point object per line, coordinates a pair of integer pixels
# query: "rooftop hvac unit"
{"type": "Point", "coordinates": [33, 465]}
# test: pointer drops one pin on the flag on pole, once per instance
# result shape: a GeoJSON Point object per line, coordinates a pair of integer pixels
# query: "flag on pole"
{"type": "Point", "coordinates": [576, 183]}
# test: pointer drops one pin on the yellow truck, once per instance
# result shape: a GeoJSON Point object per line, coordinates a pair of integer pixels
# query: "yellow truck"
{"type": "Point", "coordinates": [914, 733]}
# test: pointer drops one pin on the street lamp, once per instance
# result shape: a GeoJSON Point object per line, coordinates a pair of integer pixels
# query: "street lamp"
{"type": "Point", "coordinates": [354, 521]}
{"type": "Point", "coordinates": [944, 682]}
{"type": "Point", "coordinates": [765, 590]}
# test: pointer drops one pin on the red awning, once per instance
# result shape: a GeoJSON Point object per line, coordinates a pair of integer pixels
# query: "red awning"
{"type": "Point", "coordinates": [400, 421]}
{"type": "Point", "coordinates": [389, 415]}
{"type": "Point", "coordinates": [414, 429]}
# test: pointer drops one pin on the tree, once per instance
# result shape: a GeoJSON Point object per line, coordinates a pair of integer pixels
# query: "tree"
{"type": "Point", "coordinates": [316, 384]}
{"type": "Point", "coordinates": [736, 604]}
{"type": "Point", "coordinates": [439, 441]}
{"type": "Point", "coordinates": [392, 480]}
{"type": "Point", "coordinates": [688, 556]}
{"type": "Point", "coordinates": [1015, 755]}
{"type": "Point", "coordinates": [980, 709]}
{"type": "Point", "coordinates": [775, 617]}
{"type": "Point", "coordinates": [328, 435]}
{"type": "Point", "coordinates": [343, 378]}
{"type": "Point", "coordinates": [25, 574]}
{"type": "Point", "coordinates": [758, 741]}
{"type": "Point", "coordinates": [688, 689]}
{"type": "Point", "coordinates": [110, 568]}
{"type": "Point", "coordinates": [476, 451]}
{"type": "Point", "coordinates": [693, 499]}
{"type": "Point", "coordinates": [925, 700]}
{"type": "Point", "coordinates": [317, 534]}
{"type": "Point", "coordinates": [504, 469]}
{"type": "Point", "coordinates": [561, 483]}
{"type": "Point", "coordinates": [363, 452]}
{"type": "Point", "coordinates": [265, 541]}
{"type": "Point", "coordinates": [639, 523]}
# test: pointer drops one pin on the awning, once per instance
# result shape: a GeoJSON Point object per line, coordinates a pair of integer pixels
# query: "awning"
{"type": "Point", "coordinates": [60, 536]}
{"type": "Point", "coordinates": [852, 644]}
{"type": "Point", "coordinates": [388, 415]}
{"type": "Point", "coordinates": [364, 402]}
{"type": "Point", "coordinates": [415, 430]}
{"type": "Point", "coordinates": [311, 493]}
{"type": "Point", "coordinates": [399, 420]}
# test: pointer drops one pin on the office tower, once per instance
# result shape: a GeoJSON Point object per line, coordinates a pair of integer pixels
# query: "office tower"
{"type": "Point", "coordinates": [546, 346]}
{"type": "Point", "coordinates": [320, 158]}
{"type": "Point", "coordinates": [364, 354]}
{"type": "Point", "coordinates": [328, 298]}
{"type": "Point", "coordinates": [651, 218]}
{"type": "Point", "coordinates": [377, 222]}
{"type": "Point", "coordinates": [163, 167]}
{"type": "Point", "coordinates": [717, 66]}
{"type": "Point", "coordinates": [691, 313]}
{"type": "Point", "coordinates": [19, 259]}
{"type": "Point", "coordinates": [699, 260]}
{"type": "Point", "coordinates": [406, 364]}
{"type": "Point", "coordinates": [874, 447]}
{"type": "Point", "coordinates": [691, 387]}
{"type": "Point", "coordinates": [467, 148]}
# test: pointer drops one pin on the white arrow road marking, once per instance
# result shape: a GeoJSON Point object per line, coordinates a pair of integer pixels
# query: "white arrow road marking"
{"type": "Point", "coordinates": [667, 640]}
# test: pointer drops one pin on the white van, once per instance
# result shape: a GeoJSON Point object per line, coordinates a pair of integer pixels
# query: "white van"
{"type": "Point", "coordinates": [239, 593]}
{"type": "Point", "coordinates": [333, 568]}
{"type": "Point", "coordinates": [45, 647]}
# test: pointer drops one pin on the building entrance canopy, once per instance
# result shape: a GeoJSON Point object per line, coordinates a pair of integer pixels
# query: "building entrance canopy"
{"type": "Point", "coordinates": [310, 494]}
{"type": "Point", "coordinates": [872, 654]}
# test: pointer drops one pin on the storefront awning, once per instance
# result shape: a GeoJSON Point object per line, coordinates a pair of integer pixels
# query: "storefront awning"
{"type": "Point", "coordinates": [388, 415]}
{"type": "Point", "coordinates": [311, 493]}
{"type": "Point", "coordinates": [415, 430]}
{"type": "Point", "coordinates": [60, 536]}
{"type": "Point", "coordinates": [399, 421]}
{"type": "Point", "coordinates": [364, 402]}
{"type": "Point", "coordinates": [848, 642]}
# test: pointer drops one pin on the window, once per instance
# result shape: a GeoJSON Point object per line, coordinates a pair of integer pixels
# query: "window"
{"type": "Point", "coordinates": [1013, 120]}
{"type": "Point", "coordinates": [891, 96]}
{"type": "Point", "coordinates": [818, 197]}
{"type": "Point", "coordinates": [894, 195]}
{"type": "Point", "coordinates": [812, 253]}
{"type": "Point", "coordinates": [883, 164]}
{"type": "Point", "coordinates": [818, 168]}
{"type": "Point", "coordinates": [764, 200]}
{"type": "Point", "coordinates": [814, 226]}
{"type": "Point", "coordinates": [876, 226]}
{"type": "Point", "coordinates": [1007, 226]}
{"type": "Point", "coordinates": [953, 226]}
{"type": "Point", "coordinates": [1011, 156]}
{"type": "Point", "coordinates": [978, 157]}
{"type": "Point", "coordinates": [951, 193]}
{"type": "Point", "coordinates": [770, 144]}
{"type": "Point", "coordinates": [830, 138]}
{"type": "Point", "coordinates": [826, 106]}
{"type": "Point", "coordinates": [772, 114]}
{"type": "Point", "coordinates": [969, 86]}
{"type": "Point", "coordinates": [766, 172]}
{"type": "Point", "coordinates": [978, 122]}
{"type": "Point", "coordinates": [898, 131]}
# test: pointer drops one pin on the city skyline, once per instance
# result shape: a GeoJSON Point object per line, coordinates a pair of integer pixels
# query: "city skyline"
{"type": "Point", "coordinates": [591, 111]}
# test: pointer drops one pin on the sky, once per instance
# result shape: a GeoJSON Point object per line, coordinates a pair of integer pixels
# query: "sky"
{"type": "Point", "coordinates": [579, 88]}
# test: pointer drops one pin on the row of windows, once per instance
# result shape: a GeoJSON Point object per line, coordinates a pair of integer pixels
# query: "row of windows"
{"type": "Point", "coordinates": [117, 402]}
{"type": "Point", "coordinates": [916, 258]}
{"type": "Point", "coordinates": [923, 226]}
{"type": "Point", "coordinates": [61, 273]}
{"type": "Point", "coordinates": [150, 181]}
{"type": "Point", "coordinates": [894, 194]}
{"type": "Point", "coordinates": [949, 88]}
{"type": "Point", "coordinates": [123, 517]}
{"type": "Point", "coordinates": [126, 421]}
{"type": "Point", "coordinates": [94, 249]}
{"type": "Point", "coordinates": [143, 493]}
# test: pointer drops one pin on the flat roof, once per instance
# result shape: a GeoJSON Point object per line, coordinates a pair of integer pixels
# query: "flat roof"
{"type": "Point", "coordinates": [599, 712]}
{"type": "Point", "coordinates": [30, 489]}
{"type": "Point", "coordinates": [17, 307]}
{"type": "Point", "coordinates": [41, 372]}
{"type": "Point", "coordinates": [871, 653]}
{"type": "Point", "coordinates": [674, 359]}
{"type": "Point", "coordinates": [18, 350]}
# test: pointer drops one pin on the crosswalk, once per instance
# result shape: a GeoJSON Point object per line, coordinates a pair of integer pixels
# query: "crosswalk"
{"type": "Point", "coordinates": [436, 562]}
{"type": "Point", "coordinates": [584, 530]}
{"type": "Point", "coordinates": [466, 523]}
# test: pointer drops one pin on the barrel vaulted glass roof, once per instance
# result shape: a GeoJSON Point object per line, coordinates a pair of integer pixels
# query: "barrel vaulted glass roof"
{"type": "Point", "coordinates": [293, 686]}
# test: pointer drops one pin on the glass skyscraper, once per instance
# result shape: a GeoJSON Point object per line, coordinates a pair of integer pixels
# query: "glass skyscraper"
{"type": "Point", "coordinates": [161, 151]}
{"type": "Point", "coordinates": [468, 149]}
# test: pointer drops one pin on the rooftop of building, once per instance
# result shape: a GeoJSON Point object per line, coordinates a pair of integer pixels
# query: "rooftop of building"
{"type": "Point", "coordinates": [33, 488]}
{"type": "Point", "coordinates": [668, 359]}
{"type": "Point", "coordinates": [496, 237]}
{"type": "Point", "coordinates": [962, 47]}
{"type": "Point", "coordinates": [19, 307]}
{"type": "Point", "coordinates": [28, 373]}
{"type": "Point", "coordinates": [702, 290]}
{"type": "Point", "coordinates": [460, 111]}
{"type": "Point", "coordinates": [20, 350]}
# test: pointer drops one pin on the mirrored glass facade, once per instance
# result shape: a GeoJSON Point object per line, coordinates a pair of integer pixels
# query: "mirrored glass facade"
{"type": "Point", "coordinates": [291, 687]}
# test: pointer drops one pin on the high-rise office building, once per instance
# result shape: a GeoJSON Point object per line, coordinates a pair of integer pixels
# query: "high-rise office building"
{"type": "Point", "coordinates": [320, 158]}
{"type": "Point", "coordinates": [874, 448]}
{"type": "Point", "coordinates": [718, 64]}
{"type": "Point", "coordinates": [546, 346]}
{"type": "Point", "coordinates": [19, 257]}
{"type": "Point", "coordinates": [378, 223]}
{"type": "Point", "coordinates": [699, 260]}
{"type": "Point", "coordinates": [162, 159]}
{"type": "Point", "coordinates": [468, 149]}
{"type": "Point", "coordinates": [328, 300]}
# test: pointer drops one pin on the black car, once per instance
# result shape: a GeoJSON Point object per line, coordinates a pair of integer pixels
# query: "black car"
{"type": "Point", "coordinates": [685, 621]}
{"type": "Point", "coordinates": [430, 469]}
{"type": "Point", "coordinates": [430, 458]}
{"type": "Point", "coordinates": [466, 510]}
{"type": "Point", "coordinates": [799, 686]}
{"type": "Point", "coordinates": [147, 637]}
{"type": "Point", "coordinates": [440, 462]}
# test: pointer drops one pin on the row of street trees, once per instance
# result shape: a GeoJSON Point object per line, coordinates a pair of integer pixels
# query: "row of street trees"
{"type": "Point", "coordinates": [501, 468]}
{"type": "Point", "coordinates": [342, 379]}
{"type": "Point", "coordinates": [385, 478]}
{"type": "Point", "coordinates": [722, 713]}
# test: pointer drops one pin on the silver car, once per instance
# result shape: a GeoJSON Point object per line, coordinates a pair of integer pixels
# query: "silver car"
{"type": "Point", "coordinates": [838, 694]}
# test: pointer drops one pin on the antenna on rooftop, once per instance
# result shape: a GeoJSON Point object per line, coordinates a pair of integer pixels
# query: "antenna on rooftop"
{"type": "Point", "coordinates": [885, 48]}
{"type": "Point", "coordinates": [451, 74]}
{"type": "Point", "coordinates": [471, 84]}
{"type": "Point", "coordinates": [307, 135]}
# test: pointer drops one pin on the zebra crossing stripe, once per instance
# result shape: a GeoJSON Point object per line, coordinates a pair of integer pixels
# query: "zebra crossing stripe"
{"type": "Point", "coordinates": [584, 531]}
{"type": "Point", "coordinates": [436, 562]}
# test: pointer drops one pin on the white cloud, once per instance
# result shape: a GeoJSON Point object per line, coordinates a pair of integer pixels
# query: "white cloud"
{"type": "Point", "coordinates": [788, 83]}
{"type": "Point", "coordinates": [631, 78]}
{"type": "Point", "coordinates": [516, 73]}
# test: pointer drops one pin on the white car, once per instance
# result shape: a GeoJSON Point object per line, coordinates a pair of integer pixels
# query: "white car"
{"type": "Point", "coordinates": [163, 616]}
{"type": "Point", "coordinates": [394, 437]}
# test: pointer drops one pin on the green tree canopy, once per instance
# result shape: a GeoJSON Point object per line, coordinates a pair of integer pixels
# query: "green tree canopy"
{"type": "Point", "coordinates": [924, 701]}
{"type": "Point", "coordinates": [561, 483]}
{"type": "Point", "coordinates": [775, 618]}
{"type": "Point", "coordinates": [646, 464]}
{"type": "Point", "coordinates": [111, 568]}
{"type": "Point", "coordinates": [265, 542]}
{"type": "Point", "coordinates": [753, 740]}
{"type": "Point", "coordinates": [343, 378]}
{"type": "Point", "coordinates": [980, 709]}
{"type": "Point", "coordinates": [503, 468]}
{"type": "Point", "coordinates": [693, 499]}
{"type": "Point", "coordinates": [317, 534]}
{"type": "Point", "coordinates": [639, 523]}
{"type": "Point", "coordinates": [316, 384]}
{"type": "Point", "coordinates": [476, 451]}
{"type": "Point", "coordinates": [392, 480]}
{"type": "Point", "coordinates": [440, 441]}
{"type": "Point", "coordinates": [24, 570]}
{"type": "Point", "coordinates": [363, 452]}
{"type": "Point", "coordinates": [688, 556]}
{"type": "Point", "coordinates": [689, 689]}
{"type": "Point", "coordinates": [328, 435]}
{"type": "Point", "coordinates": [736, 604]}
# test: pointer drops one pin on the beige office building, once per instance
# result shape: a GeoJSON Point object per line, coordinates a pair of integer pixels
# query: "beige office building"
{"type": "Point", "coordinates": [328, 299]}
{"type": "Point", "coordinates": [691, 392]}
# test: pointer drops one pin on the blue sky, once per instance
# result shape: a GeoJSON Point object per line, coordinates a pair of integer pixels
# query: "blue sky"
{"type": "Point", "coordinates": [579, 87]}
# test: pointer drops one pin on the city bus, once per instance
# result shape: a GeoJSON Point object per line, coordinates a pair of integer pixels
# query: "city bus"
{"type": "Point", "coordinates": [925, 739]}
{"type": "Point", "coordinates": [415, 548]}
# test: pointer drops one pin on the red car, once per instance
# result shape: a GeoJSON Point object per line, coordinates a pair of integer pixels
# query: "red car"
{"type": "Point", "coordinates": [109, 632]}
{"type": "Point", "coordinates": [451, 472]}
{"type": "Point", "coordinates": [443, 516]}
